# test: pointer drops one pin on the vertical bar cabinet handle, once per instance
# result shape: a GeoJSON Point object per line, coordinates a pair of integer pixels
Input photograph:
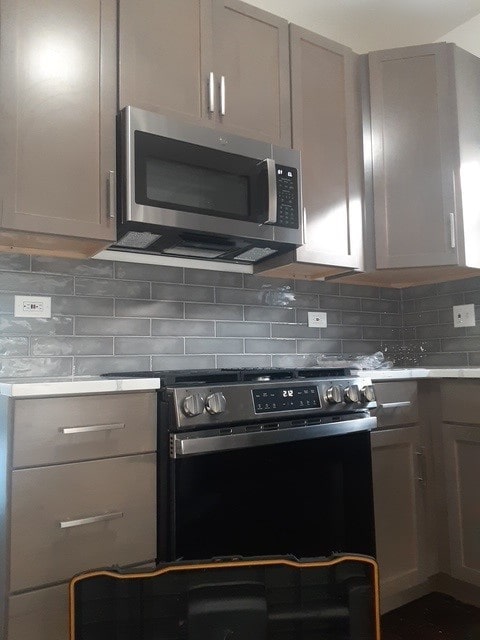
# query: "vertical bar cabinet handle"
{"type": "Point", "coordinates": [211, 92]}
{"type": "Point", "coordinates": [112, 194]}
{"type": "Point", "coordinates": [222, 96]}
{"type": "Point", "coordinates": [451, 217]}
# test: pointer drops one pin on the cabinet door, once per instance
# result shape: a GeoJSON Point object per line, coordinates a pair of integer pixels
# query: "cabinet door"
{"type": "Point", "coordinates": [57, 128]}
{"type": "Point", "coordinates": [462, 463]}
{"type": "Point", "coordinates": [415, 146]}
{"type": "Point", "coordinates": [326, 124]}
{"type": "Point", "coordinates": [251, 55]}
{"type": "Point", "coordinates": [39, 615]}
{"type": "Point", "coordinates": [165, 56]}
{"type": "Point", "coordinates": [398, 489]}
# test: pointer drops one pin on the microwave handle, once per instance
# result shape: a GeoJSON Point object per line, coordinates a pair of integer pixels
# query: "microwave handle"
{"type": "Point", "coordinates": [272, 191]}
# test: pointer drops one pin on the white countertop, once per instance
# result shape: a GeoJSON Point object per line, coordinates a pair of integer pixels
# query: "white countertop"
{"type": "Point", "coordinates": [62, 387]}
{"type": "Point", "coordinates": [420, 373]}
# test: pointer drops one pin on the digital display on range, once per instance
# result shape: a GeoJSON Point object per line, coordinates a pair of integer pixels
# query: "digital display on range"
{"type": "Point", "coordinates": [285, 398]}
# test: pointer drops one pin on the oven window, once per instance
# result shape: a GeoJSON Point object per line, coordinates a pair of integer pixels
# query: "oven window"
{"type": "Point", "coordinates": [309, 498]}
{"type": "Point", "coordinates": [177, 175]}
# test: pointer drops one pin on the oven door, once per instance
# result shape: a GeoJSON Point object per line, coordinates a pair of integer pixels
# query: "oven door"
{"type": "Point", "coordinates": [305, 491]}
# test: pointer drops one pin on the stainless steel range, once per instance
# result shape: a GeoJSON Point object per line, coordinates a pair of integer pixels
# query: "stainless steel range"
{"type": "Point", "coordinates": [260, 462]}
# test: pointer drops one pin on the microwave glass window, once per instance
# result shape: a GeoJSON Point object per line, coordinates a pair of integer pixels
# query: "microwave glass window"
{"type": "Point", "coordinates": [176, 184]}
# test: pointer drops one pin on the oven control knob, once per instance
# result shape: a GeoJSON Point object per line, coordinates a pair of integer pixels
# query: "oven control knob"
{"type": "Point", "coordinates": [367, 394]}
{"type": "Point", "coordinates": [334, 395]}
{"type": "Point", "coordinates": [215, 403]}
{"type": "Point", "coordinates": [193, 405]}
{"type": "Point", "coordinates": [352, 394]}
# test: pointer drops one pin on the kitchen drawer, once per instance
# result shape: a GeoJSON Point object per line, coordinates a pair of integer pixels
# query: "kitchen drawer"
{"type": "Point", "coordinates": [397, 403]}
{"type": "Point", "coordinates": [55, 430]}
{"type": "Point", "coordinates": [39, 615]}
{"type": "Point", "coordinates": [51, 535]}
{"type": "Point", "coordinates": [460, 401]}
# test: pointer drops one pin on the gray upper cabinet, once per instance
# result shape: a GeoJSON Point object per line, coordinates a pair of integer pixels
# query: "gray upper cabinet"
{"type": "Point", "coordinates": [163, 48]}
{"type": "Point", "coordinates": [224, 63]}
{"type": "Point", "coordinates": [57, 124]}
{"type": "Point", "coordinates": [326, 119]}
{"type": "Point", "coordinates": [425, 163]}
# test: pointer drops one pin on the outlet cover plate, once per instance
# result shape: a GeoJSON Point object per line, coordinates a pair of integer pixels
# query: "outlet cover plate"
{"type": "Point", "coordinates": [33, 307]}
{"type": "Point", "coordinates": [464, 315]}
{"type": "Point", "coordinates": [317, 319]}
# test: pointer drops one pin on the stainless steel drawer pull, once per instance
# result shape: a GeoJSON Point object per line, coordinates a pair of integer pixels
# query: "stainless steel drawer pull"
{"type": "Point", "coordinates": [95, 427]}
{"type": "Point", "coordinates": [395, 405]}
{"type": "Point", "coordinates": [67, 524]}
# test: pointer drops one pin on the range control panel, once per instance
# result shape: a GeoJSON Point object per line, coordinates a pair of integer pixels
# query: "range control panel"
{"type": "Point", "coordinates": [205, 405]}
{"type": "Point", "coordinates": [286, 398]}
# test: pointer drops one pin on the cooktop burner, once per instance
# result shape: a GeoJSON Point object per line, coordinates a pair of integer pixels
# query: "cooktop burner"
{"type": "Point", "coordinates": [203, 376]}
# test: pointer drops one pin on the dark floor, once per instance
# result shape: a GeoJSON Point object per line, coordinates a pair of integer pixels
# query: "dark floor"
{"type": "Point", "coordinates": [433, 617]}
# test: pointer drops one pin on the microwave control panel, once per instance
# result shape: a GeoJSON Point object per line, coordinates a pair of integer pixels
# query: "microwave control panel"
{"type": "Point", "coordinates": [287, 197]}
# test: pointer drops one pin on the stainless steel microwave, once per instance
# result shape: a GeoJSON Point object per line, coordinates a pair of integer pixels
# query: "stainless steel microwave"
{"type": "Point", "coordinates": [190, 191]}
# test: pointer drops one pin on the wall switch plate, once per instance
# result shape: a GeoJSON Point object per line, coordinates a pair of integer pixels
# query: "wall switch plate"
{"type": "Point", "coordinates": [33, 307]}
{"type": "Point", "coordinates": [464, 315]}
{"type": "Point", "coordinates": [317, 319]}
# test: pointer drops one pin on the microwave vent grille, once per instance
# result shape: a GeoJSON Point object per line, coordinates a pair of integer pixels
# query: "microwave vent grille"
{"type": "Point", "coordinates": [137, 239]}
{"type": "Point", "coordinates": [255, 254]}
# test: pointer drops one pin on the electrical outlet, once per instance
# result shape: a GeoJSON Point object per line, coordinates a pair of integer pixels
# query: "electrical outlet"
{"type": "Point", "coordinates": [317, 319]}
{"type": "Point", "coordinates": [33, 307]}
{"type": "Point", "coordinates": [464, 315]}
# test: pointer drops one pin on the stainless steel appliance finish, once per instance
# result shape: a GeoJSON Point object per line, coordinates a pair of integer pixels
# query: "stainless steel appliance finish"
{"type": "Point", "coordinates": [264, 461]}
{"type": "Point", "coordinates": [190, 191]}
{"type": "Point", "coordinates": [255, 462]}
{"type": "Point", "coordinates": [334, 396]}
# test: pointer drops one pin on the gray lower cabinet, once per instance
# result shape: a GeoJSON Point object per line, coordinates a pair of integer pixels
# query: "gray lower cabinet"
{"type": "Point", "coordinates": [462, 468]}
{"type": "Point", "coordinates": [221, 62]}
{"type": "Point", "coordinates": [459, 477]}
{"type": "Point", "coordinates": [400, 510]}
{"type": "Point", "coordinates": [87, 501]}
{"type": "Point", "coordinates": [57, 125]}
{"type": "Point", "coordinates": [425, 163]}
{"type": "Point", "coordinates": [399, 467]}
{"type": "Point", "coordinates": [326, 121]}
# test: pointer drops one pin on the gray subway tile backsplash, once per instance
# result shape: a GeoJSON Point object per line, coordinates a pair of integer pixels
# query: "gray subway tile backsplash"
{"type": "Point", "coordinates": [14, 346]}
{"type": "Point", "coordinates": [129, 308]}
{"type": "Point", "coordinates": [147, 272]}
{"type": "Point", "coordinates": [72, 346]}
{"type": "Point", "coordinates": [32, 367]}
{"type": "Point", "coordinates": [35, 283]}
{"type": "Point", "coordinates": [124, 317]}
{"type": "Point", "coordinates": [185, 293]}
{"type": "Point", "coordinates": [213, 311]}
{"type": "Point", "coordinates": [111, 288]}
{"type": "Point", "coordinates": [82, 305]}
{"type": "Point", "coordinates": [183, 328]}
{"type": "Point", "coordinates": [85, 326]}
{"type": "Point", "coordinates": [87, 268]}
{"type": "Point", "coordinates": [148, 346]}
{"type": "Point", "coordinates": [14, 262]}
{"type": "Point", "coordinates": [57, 325]}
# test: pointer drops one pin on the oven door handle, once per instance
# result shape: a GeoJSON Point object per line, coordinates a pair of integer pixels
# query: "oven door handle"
{"type": "Point", "coordinates": [197, 444]}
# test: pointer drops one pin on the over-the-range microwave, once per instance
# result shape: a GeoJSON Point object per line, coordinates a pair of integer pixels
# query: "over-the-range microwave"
{"type": "Point", "coordinates": [189, 191]}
